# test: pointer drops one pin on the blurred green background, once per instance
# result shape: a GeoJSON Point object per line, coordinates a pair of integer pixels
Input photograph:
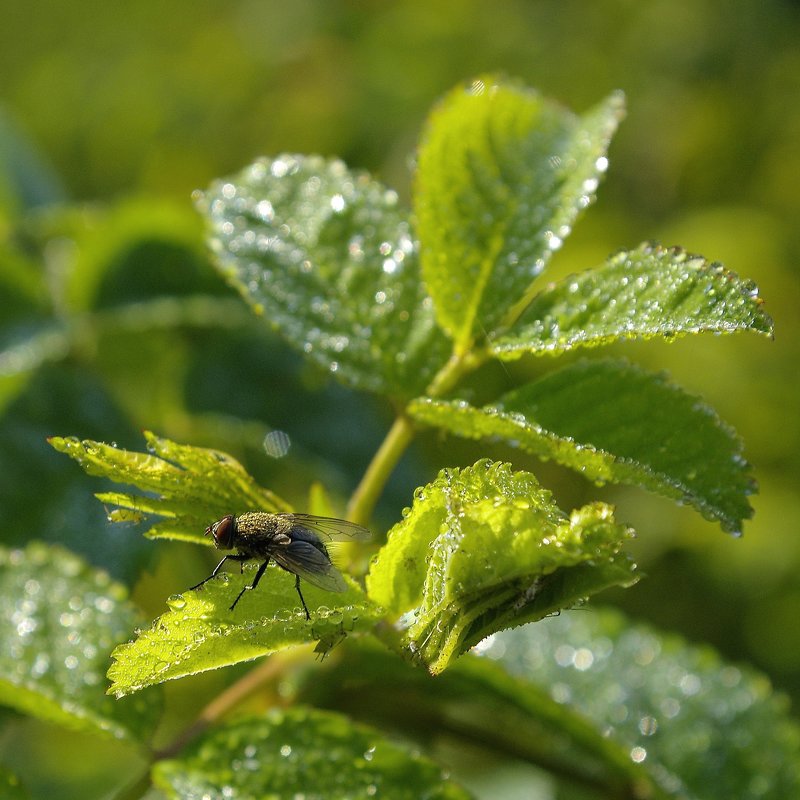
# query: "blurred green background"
{"type": "Point", "coordinates": [112, 114]}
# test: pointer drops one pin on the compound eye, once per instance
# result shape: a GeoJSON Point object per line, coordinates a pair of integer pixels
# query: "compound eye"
{"type": "Point", "coordinates": [223, 532]}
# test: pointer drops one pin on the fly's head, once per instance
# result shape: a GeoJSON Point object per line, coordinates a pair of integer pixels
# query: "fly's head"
{"type": "Point", "coordinates": [224, 532]}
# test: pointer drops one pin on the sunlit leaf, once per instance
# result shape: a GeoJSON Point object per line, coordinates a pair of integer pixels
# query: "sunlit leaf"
{"type": "Point", "coordinates": [503, 173]}
{"type": "Point", "coordinates": [328, 257]}
{"type": "Point", "coordinates": [60, 620]}
{"type": "Point", "coordinates": [193, 486]}
{"type": "Point", "coordinates": [200, 632]}
{"type": "Point", "coordinates": [642, 293]}
{"type": "Point", "coordinates": [301, 753]}
{"type": "Point", "coordinates": [615, 422]}
{"type": "Point", "coordinates": [484, 548]}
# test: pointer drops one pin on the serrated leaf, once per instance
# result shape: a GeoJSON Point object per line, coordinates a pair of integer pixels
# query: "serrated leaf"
{"type": "Point", "coordinates": [301, 753]}
{"type": "Point", "coordinates": [193, 485]}
{"type": "Point", "coordinates": [484, 548]}
{"type": "Point", "coordinates": [613, 421]}
{"type": "Point", "coordinates": [502, 176]}
{"type": "Point", "coordinates": [328, 257]}
{"type": "Point", "coordinates": [643, 293]}
{"type": "Point", "coordinates": [624, 708]}
{"type": "Point", "coordinates": [59, 621]}
{"type": "Point", "coordinates": [201, 633]}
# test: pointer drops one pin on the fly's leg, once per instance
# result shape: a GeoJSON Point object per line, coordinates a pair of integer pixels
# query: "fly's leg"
{"type": "Point", "coordinates": [239, 558]}
{"type": "Point", "coordinates": [297, 586]}
{"type": "Point", "coordinates": [212, 575]}
{"type": "Point", "coordinates": [252, 585]}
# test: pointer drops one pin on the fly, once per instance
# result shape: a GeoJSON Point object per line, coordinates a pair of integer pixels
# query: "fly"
{"type": "Point", "coordinates": [295, 542]}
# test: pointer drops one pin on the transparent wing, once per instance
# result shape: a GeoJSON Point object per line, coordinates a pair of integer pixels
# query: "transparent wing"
{"type": "Point", "coordinates": [329, 528]}
{"type": "Point", "coordinates": [312, 565]}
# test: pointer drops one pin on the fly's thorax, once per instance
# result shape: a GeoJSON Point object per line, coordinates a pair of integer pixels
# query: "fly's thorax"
{"type": "Point", "coordinates": [258, 532]}
{"type": "Point", "coordinates": [255, 523]}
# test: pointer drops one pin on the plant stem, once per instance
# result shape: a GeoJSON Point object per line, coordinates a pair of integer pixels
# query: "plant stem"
{"type": "Point", "coordinates": [366, 495]}
{"type": "Point", "coordinates": [454, 370]}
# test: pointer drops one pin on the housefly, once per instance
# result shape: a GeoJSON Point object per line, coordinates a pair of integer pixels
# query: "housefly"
{"type": "Point", "coordinates": [295, 542]}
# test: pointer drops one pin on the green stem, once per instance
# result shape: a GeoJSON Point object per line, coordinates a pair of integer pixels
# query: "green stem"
{"type": "Point", "coordinates": [366, 495]}
{"type": "Point", "coordinates": [363, 501]}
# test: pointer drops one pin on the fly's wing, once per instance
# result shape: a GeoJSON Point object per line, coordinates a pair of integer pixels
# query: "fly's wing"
{"type": "Point", "coordinates": [311, 564]}
{"type": "Point", "coordinates": [328, 528]}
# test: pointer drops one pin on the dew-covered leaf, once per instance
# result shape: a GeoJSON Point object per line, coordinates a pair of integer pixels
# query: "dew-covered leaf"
{"type": "Point", "coordinates": [200, 632]}
{"type": "Point", "coordinates": [328, 257]}
{"type": "Point", "coordinates": [503, 173]}
{"type": "Point", "coordinates": [621, 707]}
{"type": "Point", "coordinates": [643, 293]}
{"type": "Point", "coordinates": [60, 620]}
{"type": "Point", "coordinates": [703, 728]}
{"type": "Point", "coordinates": [484, 548]}
{"type": "Point", "coordinates": [304, 753]}
{"type": "Point", "coordinates": [615, 422]}
{"type": "Point", "coordinates": [477, 701]}
{"type": "Point", "coordinates": [188, 487]}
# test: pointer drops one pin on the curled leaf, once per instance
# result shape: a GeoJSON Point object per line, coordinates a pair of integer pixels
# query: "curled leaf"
{"type": "Point", "coordinates": [484, 548]}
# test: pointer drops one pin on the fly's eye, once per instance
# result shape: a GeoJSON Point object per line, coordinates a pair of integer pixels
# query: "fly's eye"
{"type": "Point", "coordinates": [223, 532]}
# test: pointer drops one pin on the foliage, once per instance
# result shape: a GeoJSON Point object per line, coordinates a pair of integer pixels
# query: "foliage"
{"type": "Point", "coordinates": [61, 620]}
{"type": "Point", "coordinates": [408, 305]}
{"type": "Point", "coordinates": [324, 753]}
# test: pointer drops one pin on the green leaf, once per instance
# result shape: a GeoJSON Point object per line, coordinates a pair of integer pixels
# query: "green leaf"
{"type": "Point", "coordinates": [200, 632]}
{"type": "Point", "coordinates": [614, 422]}
{"type": "Point", "coordinates": [643, 293]}
{"type": "Point", "coordinates": [137, 249]}
{"type": "Point", "coordinates": [622, 709]}
{"type": "Point", "coordinates": [28, 337]}
{"type": "Point", "coordinates": [193, 485]}
{"type": "Point", "coordinates": [328, 257]}
{"type": "Point", "coordinates": [502, 176]}
{"type": "Point", "coordinates": [59, 621]}
{"type": "Point", "coordinates": [301, 753]}
{"type": "Point", "coordinates": [20, 359]}
{"type": "Point", "coordinates": [477, 702]}
{"type": "Point", "coordinates": [702, 727]}
{"type": "Point", "coordinates": [484, 548]}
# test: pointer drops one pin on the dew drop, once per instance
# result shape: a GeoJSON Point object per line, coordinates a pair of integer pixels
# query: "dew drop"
{"type": "Point", "coordinates": [176, 602]}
